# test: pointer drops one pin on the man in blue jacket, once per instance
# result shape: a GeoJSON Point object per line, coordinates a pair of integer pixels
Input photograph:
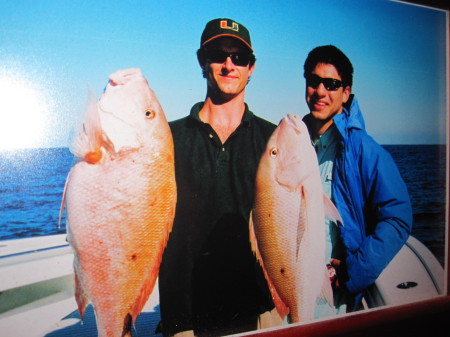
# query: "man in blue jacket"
{"type": "Point", "coordinates": [358, 175]}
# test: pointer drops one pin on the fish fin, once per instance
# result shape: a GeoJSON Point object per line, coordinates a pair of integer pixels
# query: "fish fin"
{"type": "Point", "coordinates": [152, 275]}
{"type": "Point", "coordinates": [146, 291]}
{"type": "Point", "coordinates": [109, 146]}
{"type": "Point", "coordinates": [327, 290]}
{"type": "Point", "coordinates": [80, 296]}
{"type": "Point", "coordinates": [302, 220]}
{"type": "Point", "coordinates": [87, 143]}
{"type": "Point", "coordinates": [331, 212]}
{"type": "Point", "coordinates": [253, 243]}
{"type": "Point", "coordinates": [150, 280]}
{"type": "Point", "coordinates": [126, 331]}
{"type": "Point", "coordinates": [63, 201]}
{"type": "Point", "coordinates": [144, 295]}
{"type": "Point", "coordinates": [282, 308]}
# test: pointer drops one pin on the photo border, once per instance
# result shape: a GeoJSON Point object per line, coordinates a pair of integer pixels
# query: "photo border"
{"type": "Point", "coordinates": [423, 318]}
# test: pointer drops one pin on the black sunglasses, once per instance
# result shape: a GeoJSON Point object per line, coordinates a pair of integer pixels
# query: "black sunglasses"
{"type": "Point", "coordinates": [219, 56]}
{"type": "Point", "coordinates": [330, 84]}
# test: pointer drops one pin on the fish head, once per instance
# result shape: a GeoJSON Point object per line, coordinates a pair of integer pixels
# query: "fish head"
{"type": "Point", "coordinates": [130, 113]}
{"type": "Point", "coordinates": [289, 153]}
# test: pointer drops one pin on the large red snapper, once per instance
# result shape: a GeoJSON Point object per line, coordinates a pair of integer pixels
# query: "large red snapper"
{"type": "Point", "coordinates": [288, 220]}
{"type": "Point", "coordinates": [120, 200]}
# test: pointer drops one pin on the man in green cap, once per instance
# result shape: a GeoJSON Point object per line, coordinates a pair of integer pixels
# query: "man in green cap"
{"type": "Point", "coordinates": [210, 281]}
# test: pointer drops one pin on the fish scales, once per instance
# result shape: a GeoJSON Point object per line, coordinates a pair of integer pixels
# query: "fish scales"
{"type": "Point", "coordinates": [120, 209]}
{"type": "Point", "coordinates": [288, 220]}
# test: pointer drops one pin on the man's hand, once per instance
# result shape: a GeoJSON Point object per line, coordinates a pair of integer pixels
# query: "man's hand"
{"type": "Point", "coordinates": [333, 269]}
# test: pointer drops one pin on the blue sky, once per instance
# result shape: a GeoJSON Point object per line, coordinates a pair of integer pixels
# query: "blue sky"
{"type": "Point", "coordinates": [53, 52]}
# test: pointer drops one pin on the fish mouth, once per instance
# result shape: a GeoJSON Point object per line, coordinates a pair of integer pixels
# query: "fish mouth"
{"type": "Point", "coordinates": [294, 122]}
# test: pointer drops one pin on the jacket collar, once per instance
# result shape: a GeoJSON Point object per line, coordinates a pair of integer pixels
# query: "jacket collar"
{"type": "Point", "coordinates": [350, 118]}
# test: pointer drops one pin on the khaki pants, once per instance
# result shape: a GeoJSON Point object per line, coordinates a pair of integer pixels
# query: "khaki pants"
{"type": "Point", "coordinates": [269, 319]}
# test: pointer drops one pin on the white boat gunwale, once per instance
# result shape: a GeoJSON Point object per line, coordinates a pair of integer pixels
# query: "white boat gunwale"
{"type": "Point", "coordinates": [44, 265]}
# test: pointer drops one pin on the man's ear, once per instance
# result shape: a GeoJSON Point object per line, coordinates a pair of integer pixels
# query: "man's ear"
{"type": "Point", "coordinates": [201, 57]}
{"type": "Point", "coordinates": [346, 94]}
{"type": "Point", "coordinates": [251, 69]}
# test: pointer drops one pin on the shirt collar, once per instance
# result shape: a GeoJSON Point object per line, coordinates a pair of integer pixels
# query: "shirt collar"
{"type": "Point", "coordinates": [330, 136]}
{"type": "Point", "coordinates": [247, 118]}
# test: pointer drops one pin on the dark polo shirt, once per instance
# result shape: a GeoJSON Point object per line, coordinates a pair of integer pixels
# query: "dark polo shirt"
{"type": "Point", "coordinates": [209, 277]}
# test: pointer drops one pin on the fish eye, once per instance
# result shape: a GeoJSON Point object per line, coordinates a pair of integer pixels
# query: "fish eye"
{"type": "Point", "coordinates": [150, 114]}
{"type": "Point", "coordinates": [273, 152]}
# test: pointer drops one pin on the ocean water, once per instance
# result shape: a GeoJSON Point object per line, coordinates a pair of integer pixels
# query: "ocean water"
{"type": "Point", "coordinates": [423, 167]}
{"type": "Point", "coordinates": [32, 183]}
{"type": "Point", "coordinates": [31, 188]}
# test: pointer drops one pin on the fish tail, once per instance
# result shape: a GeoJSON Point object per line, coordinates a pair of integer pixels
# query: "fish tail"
{"type": "Point", "coordinates": [126, 332]}
{"type": "Point", "coordinates": [294, 316]}
{"type": "Point", "coordinates": [80, 296]}
{"type": "Point", "coordinates": [327, 290]}
{"type": "Point", "coordinates": [89, 140]}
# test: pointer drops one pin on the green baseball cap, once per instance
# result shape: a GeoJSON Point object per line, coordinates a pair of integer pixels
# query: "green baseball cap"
{"type": "Point", "coordinates": [225, 27]}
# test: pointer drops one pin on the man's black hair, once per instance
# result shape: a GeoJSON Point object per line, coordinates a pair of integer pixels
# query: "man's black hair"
{"type": "Point", "coordinates": [330, 55]}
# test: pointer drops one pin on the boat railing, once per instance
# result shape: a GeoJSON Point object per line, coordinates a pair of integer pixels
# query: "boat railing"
{"type": "Point", "coordinates": [36, 283]}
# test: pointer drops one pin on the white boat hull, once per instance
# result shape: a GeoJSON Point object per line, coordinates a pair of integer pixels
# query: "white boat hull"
{"type": "Point", "coordinates": [413, 275]}
{"type": "Point", "coordinates": [36, 288]}
{"type": "Point", "coordinates": [37, 292]}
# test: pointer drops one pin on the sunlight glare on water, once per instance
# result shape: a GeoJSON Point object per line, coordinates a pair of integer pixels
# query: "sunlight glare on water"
{"type": "Point", "coordinates": [23, 113]}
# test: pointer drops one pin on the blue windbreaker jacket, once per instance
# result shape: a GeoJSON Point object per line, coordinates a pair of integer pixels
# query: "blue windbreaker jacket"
{"type": "Point", "coordinates": [372, 199]}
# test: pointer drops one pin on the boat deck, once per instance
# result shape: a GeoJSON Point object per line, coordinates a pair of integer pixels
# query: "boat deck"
{"type": "Point", "coordinates": [37, 296]}
{"type": "Point", "coordinates": [37, 293]}
{"type": "Point", "coordinates": [71, 325]}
